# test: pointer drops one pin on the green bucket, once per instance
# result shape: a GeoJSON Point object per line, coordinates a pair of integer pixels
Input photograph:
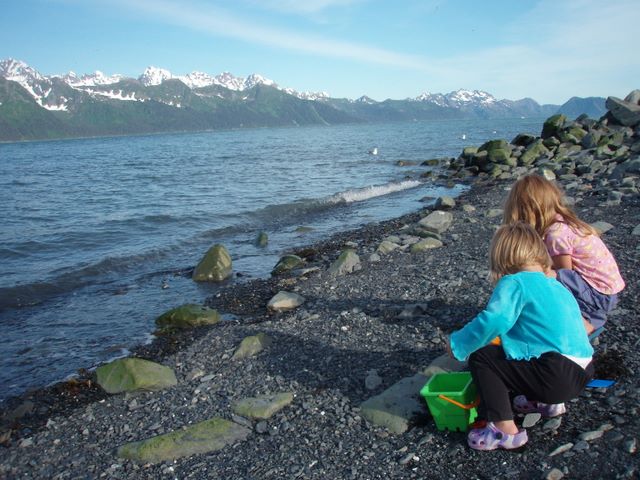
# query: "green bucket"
{"type": "Point", "coordinates": [451, 398]}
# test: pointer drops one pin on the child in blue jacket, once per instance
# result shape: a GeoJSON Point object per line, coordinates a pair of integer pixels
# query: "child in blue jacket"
{"type": "Point", "coordinates": [544, 355]}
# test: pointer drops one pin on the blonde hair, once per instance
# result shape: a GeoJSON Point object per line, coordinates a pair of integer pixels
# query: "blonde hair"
{"type": "Point", "coordinates": [515, 246]}
{"type": "Point", "coordinates": [535, 200]}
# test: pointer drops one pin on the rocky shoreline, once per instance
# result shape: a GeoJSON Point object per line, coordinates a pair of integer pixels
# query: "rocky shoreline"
{"type": "Point", "coordinates": [356, 337]}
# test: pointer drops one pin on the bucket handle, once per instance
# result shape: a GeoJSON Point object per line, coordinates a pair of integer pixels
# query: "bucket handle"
{"type": "Point", "coordinates": [467, 406]}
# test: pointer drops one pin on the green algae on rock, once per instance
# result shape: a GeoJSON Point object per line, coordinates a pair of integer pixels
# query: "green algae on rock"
{"type": "Point", "coordinates": [187, 316]}
{"type": "Point", "coordinates": [286, 263]}
{"type": "Point", "coordinates": [203, 437]}
{"type": "Point", "coordinates": [263, 406]}
{"type": "Point", "coordinates": [129, 374]}
{"type": "Point", "coordinates": [251, 346]}
{"type": "Point", "coordinates": [215, 266]}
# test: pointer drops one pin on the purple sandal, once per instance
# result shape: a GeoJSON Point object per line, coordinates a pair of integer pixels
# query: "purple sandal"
{"type": "Point", "coordinates": [547, 410]}
{"type": "Point", "coordinates": [490, 438]}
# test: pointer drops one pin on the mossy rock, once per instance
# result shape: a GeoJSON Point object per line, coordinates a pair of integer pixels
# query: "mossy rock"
{"type": "Point", "coordinates": [187, 316]}
{"type": "Point", "coordinates": [215, 266]}
{"type": "Point", "coordinates": [552, 125]}
{"type": "Point", "coordinates": [500, 155]}
{"type": "Point", "coordinates": [469, 152]}
{"type": "Point", "coordinates": [287, 263]}
{"type": "Point", "coordinates": [262, 239]}
{"type": "Point", "coordinates": [498, 144]}
{"type": "Point", "coordinates": [264, 406]}
{"type": "Point", "coordinates": [347, 262]}
{"type": "Point", "coordinates": [129, 374]}
{"type": "Point", "coordinates": [251, 346]}
{"type": "Point", "coordinates": [533, 152]}
{"type": "Point", "coordinates": [432, 162]}
{"type": "Point", "coordinates": [523, 140]}
{"type": "Point", "coordinates": [203, 437]}
{"type": "Point", "coordinates": [425, 244]}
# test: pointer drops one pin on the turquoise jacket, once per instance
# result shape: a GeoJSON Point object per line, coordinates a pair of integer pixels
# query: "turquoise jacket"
{"type": "Point", "coordinates": [533, 314]}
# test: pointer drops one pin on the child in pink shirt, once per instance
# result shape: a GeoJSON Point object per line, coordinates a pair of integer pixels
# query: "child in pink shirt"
{"type": "Point", "coordinates": [582, 261]}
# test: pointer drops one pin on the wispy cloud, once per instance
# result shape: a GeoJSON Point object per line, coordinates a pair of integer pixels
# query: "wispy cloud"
{"type": "Point", "coordinates": [218, 22]}
{"type": "Point", "coordinates": [580, 45]}
{"type": "Point", "coordinates": [303, 6]}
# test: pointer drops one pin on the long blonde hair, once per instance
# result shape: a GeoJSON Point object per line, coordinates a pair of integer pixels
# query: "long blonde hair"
{"type": "Point", "coordinates": [535, 200]}
{"type": "Point", "coordinates": [515, 246]}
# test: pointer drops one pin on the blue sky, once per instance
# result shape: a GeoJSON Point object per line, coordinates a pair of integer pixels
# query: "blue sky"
{"type": "Point", "coordinates": [549, 50]}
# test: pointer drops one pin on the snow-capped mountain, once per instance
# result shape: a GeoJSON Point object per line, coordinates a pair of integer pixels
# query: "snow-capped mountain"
{"type": "Point", "coordinates": [159, 101]}
{"type": "Point", "coordinates": [154, 76]}
{"type": "Point", "coordinates": [91, 79]}
{"type": "Point", "coordinates": [458, 99]}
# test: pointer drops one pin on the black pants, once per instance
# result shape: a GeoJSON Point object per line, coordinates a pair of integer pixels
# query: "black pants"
{"type": "Point", "coordinates": [552, 378]}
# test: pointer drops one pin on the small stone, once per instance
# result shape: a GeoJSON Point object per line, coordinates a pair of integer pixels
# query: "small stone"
{"type": "Point", "coordinates": [561, 449]}
{"type": "Point", "coordinates": [26, 442]}
{"type": "Point", "coordinates": [590, 436]}
{"type": "Point", "coordinates": [407, 458]}
{"type": "Point", "coordinates": [614, 436]}
{"type": "Point", "coordinates": [581, 445]}
{"type": "Point", "coordinates": [531, 419]}
{"type": "Point", "coordinates": [552, 424]}
{"type": "Point", "coordinates": [372, 380]}
{"type": "Point", "coordinates": [262, 427]}
{"type": "Point", "coordinates": [631, 446]}
{"type": "Point", "coordinates": [554, 474]}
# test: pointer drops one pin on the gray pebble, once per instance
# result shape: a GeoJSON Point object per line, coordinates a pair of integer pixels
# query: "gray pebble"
{"type": "Point", "coordinates": [561, 449]}
{"type": "Point", "coordinates": [262, 427]}
{"type": "Point", "coordinates": [554, 474]}
{"type": "Point", "coordinates": [531, 419]}
{"type": "Point", "coordinates": [552, 424]}
{"type": "Point", "coordinates": [631, 446]}
{"type": "Point", "coordinates": [580, 446]}
{"type": "Point", "coordinates": [590, 436]}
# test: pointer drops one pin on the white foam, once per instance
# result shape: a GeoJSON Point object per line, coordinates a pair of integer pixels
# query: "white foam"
{"type": "Point", "coordinates": [361, 194]}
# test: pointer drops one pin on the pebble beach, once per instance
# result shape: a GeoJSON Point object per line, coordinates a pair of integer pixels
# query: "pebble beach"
{"type": "Point", "coordinates": [362, 336]}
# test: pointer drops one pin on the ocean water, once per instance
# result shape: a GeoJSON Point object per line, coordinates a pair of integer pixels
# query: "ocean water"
{"type": "Point", "coordinates": [95, 233]}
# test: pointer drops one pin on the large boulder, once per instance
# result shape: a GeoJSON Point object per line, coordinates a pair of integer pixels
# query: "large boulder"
{"type": "Point", "coordinates": [203, 437]}
{"type": "Point", "coordinates": [625, 113]}
{"type": "Point", "coordinates": [287, 263]}
{"type": "Point", "coordinates": [347, 262]}
{"type": "Point", "coordinates": [262, 407]}
{"type": "Point", "coordinates": [283, 301]}
{"type": "Point", "coordinates": [437, 221]}
{"type": "Point", "coordinates": [129, 374]}
{"type": "Point", "coordinates": [187, 316]}
{"type": "Point", "coordinates": [523, 140]}
{"type": "Point", "coordinates": [534, 151]}
{"type": "Point", "coordinates": [215, 266]}
{"type": "Point", "coordinates": [552, 125]}
{"type": "Point", "coordinates": [251, 346]}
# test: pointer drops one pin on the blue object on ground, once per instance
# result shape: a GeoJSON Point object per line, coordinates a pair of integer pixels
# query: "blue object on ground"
{"type": "Point", "coordinates": [596, 383]}
{"type": "Point", "coordinates": [593, 335]}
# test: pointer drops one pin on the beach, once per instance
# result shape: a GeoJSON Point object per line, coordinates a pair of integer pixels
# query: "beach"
{"type": "Point", "coordinates": [355, 336]}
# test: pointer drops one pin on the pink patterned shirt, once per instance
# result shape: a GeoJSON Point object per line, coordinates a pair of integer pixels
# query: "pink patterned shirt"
{"type": "Point", "coordinates": [590, 257]}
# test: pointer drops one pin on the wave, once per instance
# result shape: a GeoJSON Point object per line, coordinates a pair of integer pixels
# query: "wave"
{"type": "Point", "coordinates": [286, 212]}
{"type": "Point", "coordinates": [366, 193]}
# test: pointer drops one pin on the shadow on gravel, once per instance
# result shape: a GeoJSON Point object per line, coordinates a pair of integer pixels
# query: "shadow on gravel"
{"type": "Point", "coordinates": [318, 366]}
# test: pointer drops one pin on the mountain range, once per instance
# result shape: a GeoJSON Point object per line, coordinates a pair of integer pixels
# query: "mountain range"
{"type": "Point", "coordinates": [34, 106]}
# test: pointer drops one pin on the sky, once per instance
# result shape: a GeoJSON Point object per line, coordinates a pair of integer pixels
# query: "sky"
{"type": "Point", "coordinates": [548, 50]}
